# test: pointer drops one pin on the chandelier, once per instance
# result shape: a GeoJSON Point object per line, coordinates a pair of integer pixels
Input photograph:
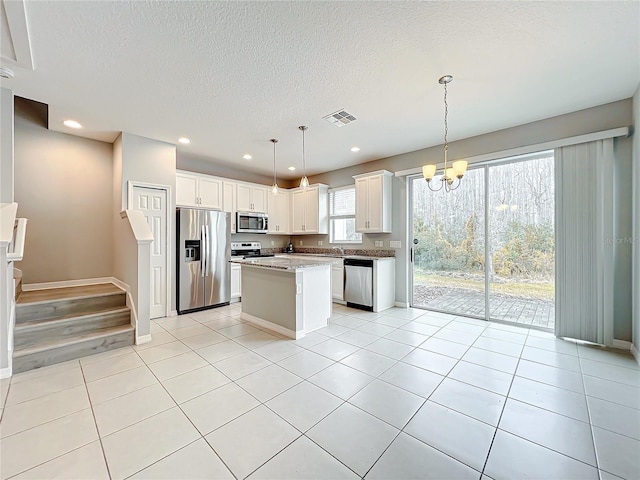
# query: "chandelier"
{"type": "Point", "coordinates": [458, 168]}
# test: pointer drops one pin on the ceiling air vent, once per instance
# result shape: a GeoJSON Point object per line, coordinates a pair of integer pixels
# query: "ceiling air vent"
{"type": "Point", "coordinates": [340, 118]}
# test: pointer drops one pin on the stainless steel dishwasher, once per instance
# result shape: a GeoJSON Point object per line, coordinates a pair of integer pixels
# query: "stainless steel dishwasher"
{"type": "Point", "coordinates": [358, 283]}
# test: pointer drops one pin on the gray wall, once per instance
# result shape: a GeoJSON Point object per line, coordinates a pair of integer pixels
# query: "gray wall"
{"type": "Point", "coordinates": [148, 161]}
{"type": "Point", "coordinates": [636, 222]}
{"type": "Point", "coordinates": [603, 117]}
{"type": "Point", "coordinates": [6, 145]}
{"type": "Point", "coordinates": [63, 187]}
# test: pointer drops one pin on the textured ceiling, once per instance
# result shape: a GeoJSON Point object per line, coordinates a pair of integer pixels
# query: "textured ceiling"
{"type": "Point", "coordinates": [232, 75]}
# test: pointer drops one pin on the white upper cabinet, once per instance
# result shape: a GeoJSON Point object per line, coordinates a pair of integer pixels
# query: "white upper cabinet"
{"type": "Point", "coordinates": [373, 202]}
{"type": "Point", "coordinates": [251, 198]}
{"type": "Point", "coordinates": [278, 212]}
{"type": "Point", "coordinates": [193, 190]}
{"type": "Point", "coordinates": [309, 210]}
{"type": "Point", "coordinates": [229, 201]}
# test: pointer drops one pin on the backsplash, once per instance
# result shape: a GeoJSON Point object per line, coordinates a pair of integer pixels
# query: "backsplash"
{"type": "Point", "coordinates": [347, 251]}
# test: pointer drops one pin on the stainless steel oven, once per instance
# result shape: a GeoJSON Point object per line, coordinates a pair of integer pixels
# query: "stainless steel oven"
{"type": "Point", "coordinates": [252, 222]}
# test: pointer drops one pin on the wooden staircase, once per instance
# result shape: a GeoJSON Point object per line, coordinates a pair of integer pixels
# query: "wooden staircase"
{"type": "Point", "coordinates": [60, 324]}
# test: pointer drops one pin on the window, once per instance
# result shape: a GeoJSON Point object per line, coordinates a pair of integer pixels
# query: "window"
{"type": "Point", "coordinates": [342, 216]}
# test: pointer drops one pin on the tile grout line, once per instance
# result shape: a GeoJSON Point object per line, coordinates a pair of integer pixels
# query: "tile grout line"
{"type": "Point", "coordinates": [359, 349]}
{"type": "Point", "coordinates": [190, 421]}
{"type": "Point", "coordinates": [506, 398]}
{"type": "Point", "coordinates": [593, 435]}
{"type": "Point", "coordinates": [402, 430]}
{"type": "Point", "coordinates": [93, 414]}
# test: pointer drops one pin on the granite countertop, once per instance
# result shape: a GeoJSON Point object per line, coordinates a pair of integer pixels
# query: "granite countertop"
{"type": "Point", "coordinates": [337, 255]}
{"type": "Point", "coordinates": [283, 263]}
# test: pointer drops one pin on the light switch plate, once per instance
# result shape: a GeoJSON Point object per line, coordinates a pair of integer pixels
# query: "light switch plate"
{"type": "Point", "coordinates": [378, 243]}
{"type": "Point", "coordinates": [319, 243]}
{"type": "Point", "coordinates": [395, 244]}
{"type": "Point", "coordinates": [298, 288]}
{"type": "Point", "coordinates": [300, 242]}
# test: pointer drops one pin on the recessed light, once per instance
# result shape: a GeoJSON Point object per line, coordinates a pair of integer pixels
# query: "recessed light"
{"type": "Point", "coordinates": [72, 124]}
{"type": "Point", "coordinates": [355, 149]}
{"type": "Point", "coordinates": [292, 168]}
{"type": "Point", "coordinates": [184, 140]}
{"type": "Point", "coordinates": [246, 156]}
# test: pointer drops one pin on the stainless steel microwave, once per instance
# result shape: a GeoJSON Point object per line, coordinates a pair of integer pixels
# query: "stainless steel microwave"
{"type": "Point", "coordinates": [252, 222]}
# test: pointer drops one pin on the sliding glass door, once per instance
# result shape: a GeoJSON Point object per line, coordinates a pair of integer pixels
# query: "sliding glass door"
{"type": "Point", "coordinates": [508, 276]}
{"type": "Point", "coordinates": [449, 250]}
{"type": "Point", "coordinates": [521, 240]}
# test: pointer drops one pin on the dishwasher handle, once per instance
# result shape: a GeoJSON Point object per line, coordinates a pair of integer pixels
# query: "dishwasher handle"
{"type": "Point", "coordinates": [358, 262]}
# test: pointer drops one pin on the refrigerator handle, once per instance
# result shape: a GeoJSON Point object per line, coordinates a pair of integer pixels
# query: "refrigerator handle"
{"type": "Point", "coordinates": [203, 248]}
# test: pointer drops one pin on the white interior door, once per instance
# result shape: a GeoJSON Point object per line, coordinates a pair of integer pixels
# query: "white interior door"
{"type": "Point", "coordinates": [152, 202]}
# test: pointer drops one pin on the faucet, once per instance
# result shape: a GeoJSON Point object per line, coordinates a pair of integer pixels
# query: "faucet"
{"type": "Point", "coordinates": [339, 249]}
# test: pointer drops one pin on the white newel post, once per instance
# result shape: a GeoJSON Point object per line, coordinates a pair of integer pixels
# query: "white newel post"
{"type": "Point", "coordinates": [135, 271]}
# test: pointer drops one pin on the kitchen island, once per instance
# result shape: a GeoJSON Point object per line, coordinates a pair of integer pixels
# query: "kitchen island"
{"type": "Point", "coordinates": [291, 296]}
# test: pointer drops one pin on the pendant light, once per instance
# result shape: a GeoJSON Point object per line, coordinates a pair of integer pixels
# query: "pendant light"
{"type": "Point", "coordinates": [274, 187]}
{"type": "Point", "coordinates": [304, 181]}
{"type": "Point", "coordinates": [458, 168]}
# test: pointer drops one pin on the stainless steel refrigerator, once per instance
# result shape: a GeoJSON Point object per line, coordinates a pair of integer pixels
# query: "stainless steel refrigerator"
{"type": "Point", "coordinates": [204, 251]}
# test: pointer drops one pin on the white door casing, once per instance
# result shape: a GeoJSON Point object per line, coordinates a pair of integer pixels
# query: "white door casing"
{"type": "Point", "coordinates": [152, 202]}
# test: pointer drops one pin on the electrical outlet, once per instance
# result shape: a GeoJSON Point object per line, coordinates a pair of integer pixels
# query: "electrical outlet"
{"type": "Point", "coordinates": [319, 243]}
{"type": "Point", "coordinates": [299, 243]}
{"type": "Point", "coordinates": [395, 244]}
{"type": "Point", "coordinates": [272, 243]}
{"type": "Point", "coordinates": [298, 288]}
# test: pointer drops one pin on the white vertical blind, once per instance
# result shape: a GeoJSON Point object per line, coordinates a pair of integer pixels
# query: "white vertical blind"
{"type": "Point", "coordinates": [584, 241]}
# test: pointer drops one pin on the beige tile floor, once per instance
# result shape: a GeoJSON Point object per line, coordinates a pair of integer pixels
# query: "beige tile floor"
{"type": "Point", "coordinates": [399, 394]}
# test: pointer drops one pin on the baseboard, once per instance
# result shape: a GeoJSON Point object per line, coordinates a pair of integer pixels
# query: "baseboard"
{"type": "Point", "coordinates": [401, 304]}
{"type": "Point", "coordinates": [5, 372]}
{"type": "Point", "coordinates": [119, 283]}
{"type": "Point", "coordinates": [621, 344]}
{"type": "Point", "coordinates": [70, 283]}
{"type": "Point", "coordinates": [143, 339]}
{"type": "Point", "coordinates": [635, 353]}
{"type": "Point", "coordinates": [271, 326]}
{"type": "Point", "coordinates": [134, 312]}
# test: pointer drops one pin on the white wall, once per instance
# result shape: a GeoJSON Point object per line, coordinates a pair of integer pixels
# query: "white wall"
{"type": "Point", "coordinates": [603, 117]}
{"type": "Point", "coordinates": [63, 187]}
{"type": "Point", "coordinates": [636, 222]}
{"type": "Point", "coordinates": [6, 145]}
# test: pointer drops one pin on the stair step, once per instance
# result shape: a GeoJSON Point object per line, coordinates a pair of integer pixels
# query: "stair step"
{"type": "Point", "coordinates": [64, 302]}
{"type": "Point", "coordinates": [58, 351]}
{"type": "Point", "coordinates": [34, 331]}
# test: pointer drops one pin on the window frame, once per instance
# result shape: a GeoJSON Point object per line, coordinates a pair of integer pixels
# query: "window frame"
{"type": "Point", "coordinates": [332, 241]}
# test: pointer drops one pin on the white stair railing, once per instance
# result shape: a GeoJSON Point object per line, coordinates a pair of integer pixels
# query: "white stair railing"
{"type": "Point", "coordinates": [12, 235]}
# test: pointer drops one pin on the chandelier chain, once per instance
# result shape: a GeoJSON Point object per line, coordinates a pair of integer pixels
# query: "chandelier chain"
{"type": "Point", "coordinates": [446, 123]}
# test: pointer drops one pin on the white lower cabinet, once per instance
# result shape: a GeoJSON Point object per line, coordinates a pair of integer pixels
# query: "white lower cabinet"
{"type": "Point", "coordinates": [236, 281]}
{"type": "Point", "coordinates": [337, 281]}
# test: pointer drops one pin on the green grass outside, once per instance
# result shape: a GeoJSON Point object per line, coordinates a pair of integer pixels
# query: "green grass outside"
{"type": "Point", "coordinates": [539, 291]}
